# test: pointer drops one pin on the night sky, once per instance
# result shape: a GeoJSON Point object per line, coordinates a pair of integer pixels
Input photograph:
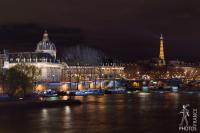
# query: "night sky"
{"type": "Point", "coordinates": [128, 29]}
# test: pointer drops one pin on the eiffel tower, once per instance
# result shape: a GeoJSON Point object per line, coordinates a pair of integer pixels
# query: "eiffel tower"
{"type": "Point", "coordinates": [162, 54]}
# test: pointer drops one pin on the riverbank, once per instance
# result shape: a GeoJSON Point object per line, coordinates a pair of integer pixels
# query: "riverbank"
{"type": "Point", "coordinates": [22, 104]}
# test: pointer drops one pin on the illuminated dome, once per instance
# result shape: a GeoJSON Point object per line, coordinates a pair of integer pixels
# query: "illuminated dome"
{"type": "Point", "coordinates": [46, 46]}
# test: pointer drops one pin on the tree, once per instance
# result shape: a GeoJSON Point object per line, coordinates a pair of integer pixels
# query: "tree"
{"type": "Point", "coordinates": [2, 79]}
{"type": "Point", "coordinates": [20, 79]}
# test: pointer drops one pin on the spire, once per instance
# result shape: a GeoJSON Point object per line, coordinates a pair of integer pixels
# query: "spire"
{"type": "Point", "coordinates": [161, 36]}
{"type": "Point", "coordinates": [45, 36]}
{"type": "Point", "coordinates": [161, 53]}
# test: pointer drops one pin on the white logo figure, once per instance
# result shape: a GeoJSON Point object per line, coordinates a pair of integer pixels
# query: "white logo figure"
{"type": "Point", "coordinates": [186, 114]}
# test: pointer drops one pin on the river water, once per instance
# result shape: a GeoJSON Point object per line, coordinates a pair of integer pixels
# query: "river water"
{"type": "Point", "coordinates": [134, 113]}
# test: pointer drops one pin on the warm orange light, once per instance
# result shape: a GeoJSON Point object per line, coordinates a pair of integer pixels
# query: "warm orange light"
{"type": "Point", "coordinates": [64, 87]}
{"type": "Point", "coordinates": [40, 88]}
{"type": "Point", "coordinates": [1, 90]}
{"type": "Point", "coordinates": [80, 86]}
{"type": "Point", "coordinates": [161, 55]}
{"type": "Point", "coordinates": [136, 85]}
{"type": "Point", "coordinates": [65, 97]}
{"type": "Point", "coordinates": [91, 85]}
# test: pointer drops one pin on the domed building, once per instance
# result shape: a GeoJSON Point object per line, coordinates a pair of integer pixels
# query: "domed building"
{"type": "Point", "coordinates": [46, 46]}
{"type": "Point", "coordinates": [54, 73]}
{"type": "Point", "coordinates": [44, 58]}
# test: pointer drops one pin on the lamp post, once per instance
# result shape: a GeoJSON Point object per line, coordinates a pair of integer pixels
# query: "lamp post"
{"type": "Point", "coordinates": [70, 79]}
{"type": "Point", "coordinates": [53, 77]}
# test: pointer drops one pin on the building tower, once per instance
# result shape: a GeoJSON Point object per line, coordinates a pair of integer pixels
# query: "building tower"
{"type": "Point", "coordinates": [161, 54]}
{"type": "Point", "coordinates": [46, 46]}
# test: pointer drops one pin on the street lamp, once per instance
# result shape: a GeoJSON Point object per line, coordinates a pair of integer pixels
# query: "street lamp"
{"type": "Point", "coordinates": [53, 76]}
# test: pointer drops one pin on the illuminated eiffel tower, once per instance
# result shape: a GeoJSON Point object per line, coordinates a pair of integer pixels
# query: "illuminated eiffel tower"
{"type": "Point", "coordinates": [162, 54]}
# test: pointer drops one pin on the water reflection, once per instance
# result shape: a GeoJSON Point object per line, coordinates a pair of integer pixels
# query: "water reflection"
{"type": "Point", "coordinates": [67, 117]}
{"type": "Point", "coordinates": [44, 114]}
{"type": "Point", "coordinates": [139, 112]}
{"type": "Point", "coordinates": [143, 100]}
{"type": "Point", "coordinates": [67, 110]}
{"type": "Point", "coordinates": [64, 98]}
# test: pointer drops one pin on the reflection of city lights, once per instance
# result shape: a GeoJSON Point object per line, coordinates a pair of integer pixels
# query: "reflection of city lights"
{"type": "Point", "coordinates": [67, 110]}
{"type": "Point", "coordinates": [45, 114]}
{"type": "Point", "coordinates": [143, 94]}
{"type": "Point", "coordinates": [65, 97]}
